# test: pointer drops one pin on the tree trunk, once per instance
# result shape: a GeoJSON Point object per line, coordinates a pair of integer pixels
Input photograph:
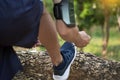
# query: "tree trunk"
{"type": "Point", "coordinates": [105, 32]}
{"type": "Point", "coordinates": [85, 67]}
{"type": "Point", "coordinates": [118, 18]}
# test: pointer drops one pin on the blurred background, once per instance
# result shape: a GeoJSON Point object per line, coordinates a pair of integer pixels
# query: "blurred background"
{"type": "Point", "coordinates": [101, 20]}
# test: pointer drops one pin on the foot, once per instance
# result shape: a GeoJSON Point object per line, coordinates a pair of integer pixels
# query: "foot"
{"type": "Point", "coordinates": [61, 72]}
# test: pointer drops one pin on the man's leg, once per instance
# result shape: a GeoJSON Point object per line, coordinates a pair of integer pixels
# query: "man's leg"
{"type": "Point", "coordinates": [63, 57]}
{"type": "Point", "coordinates": [48, 37]}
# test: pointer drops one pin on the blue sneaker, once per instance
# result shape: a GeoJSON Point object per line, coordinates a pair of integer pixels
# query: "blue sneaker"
{"type": "Point", "coordinates": [68, 51]}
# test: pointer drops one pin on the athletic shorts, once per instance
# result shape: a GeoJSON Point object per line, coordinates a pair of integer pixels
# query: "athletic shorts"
{"type": "Point", "coordinates": [19, 22]}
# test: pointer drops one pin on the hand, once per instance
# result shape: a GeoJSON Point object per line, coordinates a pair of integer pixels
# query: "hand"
{"type": "Point", "coordinates": [82, 39]}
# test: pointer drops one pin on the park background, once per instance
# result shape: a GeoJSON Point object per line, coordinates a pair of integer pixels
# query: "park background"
{"type": "Point", "coordinates": [101, 20]}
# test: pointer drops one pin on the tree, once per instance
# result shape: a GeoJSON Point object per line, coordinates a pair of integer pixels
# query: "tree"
{"type": "Point", "coordinates": [84, 13]}
{"type": "Point", "coordinates": [118, 16]}
{"type": "Point", "coordinates": [97, 12]}
{"type": "Point", "coordinates": [108, 7]}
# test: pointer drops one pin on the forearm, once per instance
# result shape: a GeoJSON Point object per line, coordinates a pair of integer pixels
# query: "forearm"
{"type": "Point", "coordinates": [67, 29]}
{"type": "Point", "coordinates": [81, 39]}
{"type": "Point", "coordinates": [68, 34]}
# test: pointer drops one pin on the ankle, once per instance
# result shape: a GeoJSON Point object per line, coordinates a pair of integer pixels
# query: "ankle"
{"type": "Point", "coordinates": [57, 62]}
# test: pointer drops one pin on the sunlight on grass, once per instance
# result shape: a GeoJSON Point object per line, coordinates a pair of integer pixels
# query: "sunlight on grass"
{"type": "Point", "coordinates": [95, 45]}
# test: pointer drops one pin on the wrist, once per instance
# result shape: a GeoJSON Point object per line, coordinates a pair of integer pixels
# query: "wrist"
{"type": "Point", "coordinates": [64, 10]}
{"type": "Point", "coordinates": [78, 38]}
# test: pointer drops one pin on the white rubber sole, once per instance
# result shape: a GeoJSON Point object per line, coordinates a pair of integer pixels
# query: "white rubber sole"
{"type": "Point", "coordinates": [66, 74]}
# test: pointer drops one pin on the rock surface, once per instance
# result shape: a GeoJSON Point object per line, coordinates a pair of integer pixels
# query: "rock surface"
{"type": "Point", "coordinates": [37, 66]}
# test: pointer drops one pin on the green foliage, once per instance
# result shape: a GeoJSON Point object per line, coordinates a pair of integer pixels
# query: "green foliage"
{"type": "Point", "coordinates": [49, 5]}
{"type": "Point", "coordinates": [88, 13]}
{"type": "Point", "coordinates": [91, 12]}
{"type": "Point", "coordinates": [113, 20]}
{"type": "Point", "coordinates": [95, 45]}
{"type": "Point", "coordinates": [87, 10]}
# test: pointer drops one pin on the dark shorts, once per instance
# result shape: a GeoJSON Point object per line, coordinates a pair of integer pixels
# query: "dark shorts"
{"type": "Point", "coordinates": [19, 22]}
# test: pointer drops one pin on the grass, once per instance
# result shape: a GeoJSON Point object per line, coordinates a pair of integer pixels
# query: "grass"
{"type": "Point", "coordinates": [95, 45]}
